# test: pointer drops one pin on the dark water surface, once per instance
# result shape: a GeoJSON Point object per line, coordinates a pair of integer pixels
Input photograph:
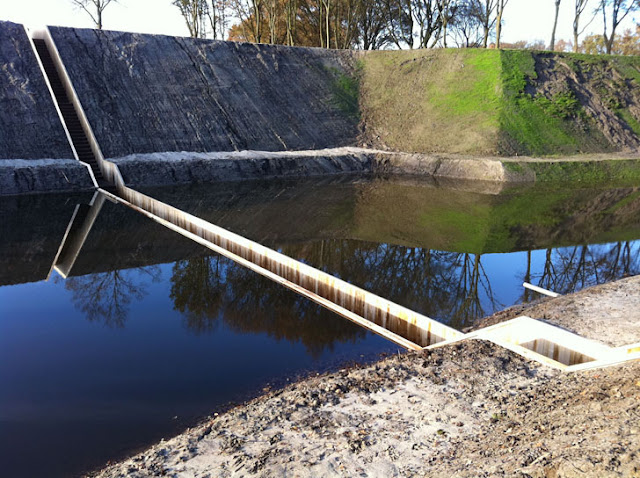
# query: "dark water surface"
{"type": "Point", "coordinates": [151, 331]}
{"type": "Point", "coordinates": [454, 252]}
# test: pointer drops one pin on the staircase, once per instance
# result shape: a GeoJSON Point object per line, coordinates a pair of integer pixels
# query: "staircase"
{"type": "Point", "coordinates": [71, 120]}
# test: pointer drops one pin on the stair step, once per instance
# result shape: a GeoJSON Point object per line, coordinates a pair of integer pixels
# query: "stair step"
{"type": "Point", "coordinates": [74, 126]}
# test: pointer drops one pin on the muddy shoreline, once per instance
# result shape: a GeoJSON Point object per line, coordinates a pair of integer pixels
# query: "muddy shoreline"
{"type": "Point", "coordinates": [471, 409]}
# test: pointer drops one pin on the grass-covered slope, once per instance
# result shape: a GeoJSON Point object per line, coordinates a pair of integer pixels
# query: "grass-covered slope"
{"type": "Point", "coordinates": [432, 100]}
{"type": "Point", "coordinates": [500, 102]}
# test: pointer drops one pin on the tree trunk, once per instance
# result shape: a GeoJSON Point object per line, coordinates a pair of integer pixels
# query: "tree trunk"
{"type": "Point", "coordinates": [328, 5]}
{"type": "Point", "coordinates": [258, 20]}
{"type": "Point", "coordinates": [289, 23]}
{"type": "Point", "coordinates": [486, 23]}
{"type": "Point", "coordinates": [552, 45]}
{"type": "Point", "coordinates": [320, 25]}
{"type": "Point", "coordinates": [444, 31]}
{"type": "Point", "coordinates": [607, 41]}
{"type": "Point", "coordinates": [500, 11]}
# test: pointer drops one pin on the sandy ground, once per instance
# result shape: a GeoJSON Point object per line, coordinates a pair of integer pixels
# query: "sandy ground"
{"type": "Point", "coordinates": [608, 313]}
{"type": "Point", "coordinates": [472, 409]}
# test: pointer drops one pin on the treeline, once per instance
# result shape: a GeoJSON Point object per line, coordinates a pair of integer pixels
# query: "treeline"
{"type": "Point", "coordinates": [379, 24]}
{"type": "Point", "coordinates": [361, 24]}
{"type": "Point", "coordinates": [627, 43]}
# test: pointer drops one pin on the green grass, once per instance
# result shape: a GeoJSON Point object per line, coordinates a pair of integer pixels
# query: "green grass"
{"type": "Point", "coordinates": [628, 67]}
{"type": "Point", "coordinates": [345, 90]}
{"type": "Point", "coordinates": [477, 101]}
{"type": "Point", "coordinates": [471, 91]}
{"type": "Point", "coordinates": [620, 204]}
{"type": "Point", "coordinates": [518, 67]}
{"type": "Point", "coordinates": [432, 100]}
{"type": "Point", "coordinates": [470, 222]}
{"type": "Point", "coordinates": [466, 230]}
{"type": "Point", "coordinates": [592, 172]}
{"type": "Point", "coordinates": [537, 126]}
{"type": "Point", "coordinates": [628, 118]}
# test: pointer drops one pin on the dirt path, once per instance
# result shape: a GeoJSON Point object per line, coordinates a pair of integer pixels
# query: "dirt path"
{"type": "Point", "coordinates": [472, 409]}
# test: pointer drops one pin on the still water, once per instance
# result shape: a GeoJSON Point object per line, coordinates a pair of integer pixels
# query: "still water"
{"type": "Point", "coordinates": [151, 332]}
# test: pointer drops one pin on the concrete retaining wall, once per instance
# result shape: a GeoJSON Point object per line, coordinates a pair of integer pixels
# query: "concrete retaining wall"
{"type": "Point", "coordinates": [163, 169]}
{"type": "Point", "coordinates": [18, 176]}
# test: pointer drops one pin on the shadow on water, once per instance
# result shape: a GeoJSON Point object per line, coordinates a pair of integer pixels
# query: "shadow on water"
{"type": "Point", "coordinates": [149, 325]}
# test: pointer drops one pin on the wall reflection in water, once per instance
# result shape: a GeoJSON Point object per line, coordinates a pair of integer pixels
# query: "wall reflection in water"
{"type": "Point", "coordinates": [186, 331]}
{"type": "Point", "coordinates": [455, 254]}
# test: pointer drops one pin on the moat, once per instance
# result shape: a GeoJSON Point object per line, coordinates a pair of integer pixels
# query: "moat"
{"type": "Point", "coordinates": [151, 332]}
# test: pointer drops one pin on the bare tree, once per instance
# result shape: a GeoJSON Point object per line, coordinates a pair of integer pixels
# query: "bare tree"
{"type": "Point", "coordinates": [579, 7]}
{"type": "Point", "coordinates": [327, 11]}
{"type": "Point", "coordinates": [484, 11]}
{"type": "Point", "coordinates": [345, 18]}
{"type": "Point", "coordinates": [552, 45]}
{"type": "Point", "coordinates": [427, 18]}
{"type": "Point", "coordinates": [291, 8]}
{"type": "Point", "coordinates": [371, 24]}
{"type": "Point", "coordinates": [273, 15]}
{"type": "Point", "coordinates": [218, 13]}
{"type": "Point", "coordinates": [399, 22]}
{"type": "Point", "coordinates": [249, 13]}
{"type": "Point", "coordinates": [446, 13]}
{"type": "Point", "coordinates": [94, 9]}
{"type": "Point", "coordinates": [614, 11]}
{"type": "Point", "coordinates": [204, 16]}
{"type": "Point", "coordinates": [466, 27]}
{"type": "Point", "coordinates": [256, 8]}
{"type": "Point", "coordinates": [194, 13]}
{"type": "Point", "coordinates": [499, 13]}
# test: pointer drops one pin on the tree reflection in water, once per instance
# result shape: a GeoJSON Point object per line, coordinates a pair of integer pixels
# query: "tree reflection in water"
{"type": "Point", "coordinates": [106, 296]}
{"type": "Point", "coordinates": [213, 290]}
{"type": "Point", "coordinates": [449, 286]}
{"type": "Point", "coordinates": [569, 269]}
{"type": "Point", "coordinates": [455, 287]}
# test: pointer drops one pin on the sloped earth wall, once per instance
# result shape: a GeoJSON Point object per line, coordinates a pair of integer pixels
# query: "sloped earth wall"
{"type": "Point", "coordinates": [153, 93]}
{"type": "Point", "coordinates": [29, 125]}
{"type": "Point", "coordinates": [34, 152]}
{"type": "Point", "coordinates": [168, 109]}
